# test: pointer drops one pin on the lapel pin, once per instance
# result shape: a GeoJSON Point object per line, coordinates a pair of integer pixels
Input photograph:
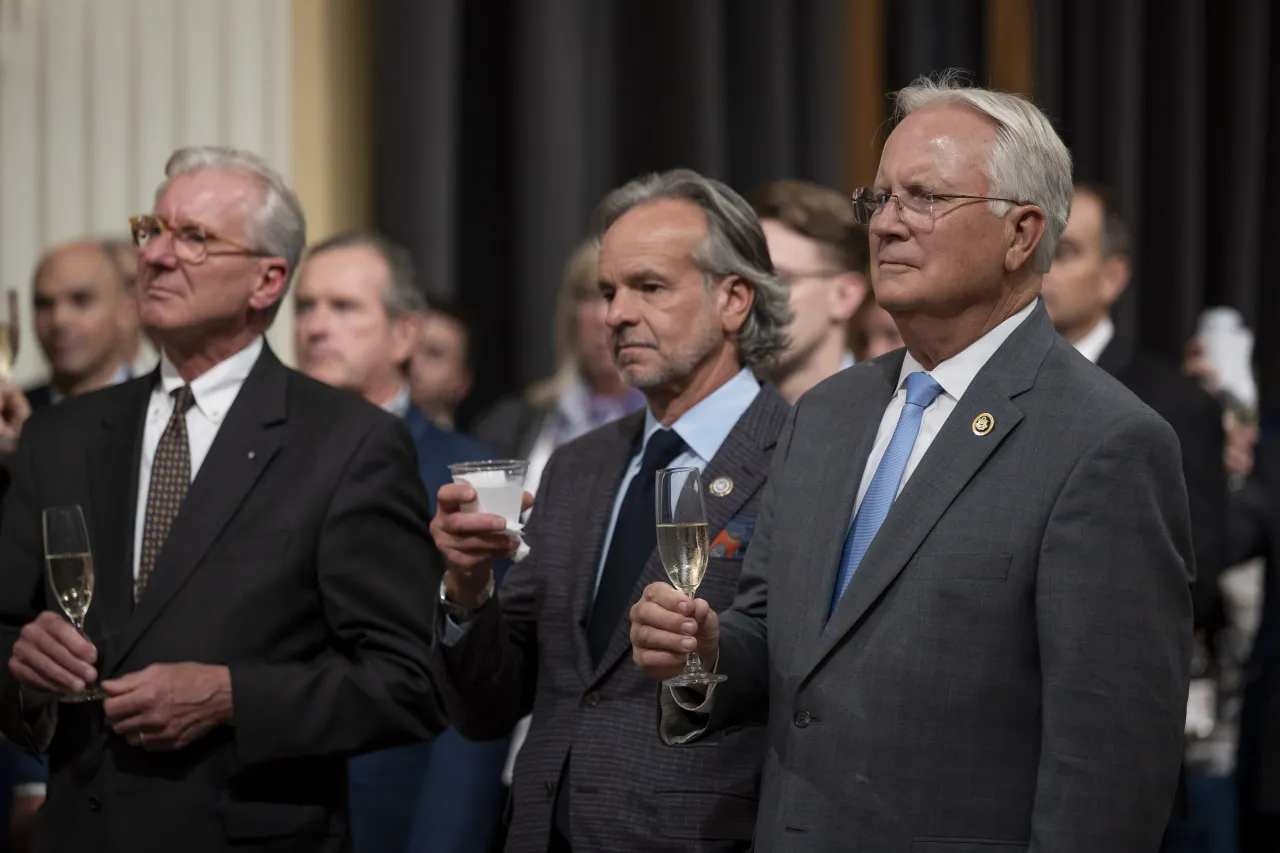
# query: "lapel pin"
{"type": "Point", "coordinates": [252, 454]}
{"type": "Point", "coordinates": [983, 424]}
{"type": "Point", "coordinates": [721, 486]}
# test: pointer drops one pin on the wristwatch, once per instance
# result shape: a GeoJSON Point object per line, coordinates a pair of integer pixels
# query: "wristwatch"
{"type": "Point", "coordinates": [457, 611]}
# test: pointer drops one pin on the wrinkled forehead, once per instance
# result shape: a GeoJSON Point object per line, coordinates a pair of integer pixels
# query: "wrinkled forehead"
{"type": "Point", "coordinates": [940, 147]}
{"type": "Point", "coordinates": [219, 199]}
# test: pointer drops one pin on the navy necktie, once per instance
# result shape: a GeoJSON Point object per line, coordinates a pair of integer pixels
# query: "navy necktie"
{"type": "Point", "coordinates": [634, 538]}
{"type": "Point", "coordinates": [922, 390]}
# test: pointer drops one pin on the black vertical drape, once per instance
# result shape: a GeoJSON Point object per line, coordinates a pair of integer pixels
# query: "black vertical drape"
{"type": "Point", "coordinates": [500, 123]}
{"type": "Point", "coordinates": [1175, 104]}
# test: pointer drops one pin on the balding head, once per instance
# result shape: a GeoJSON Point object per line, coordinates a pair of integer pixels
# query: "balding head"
{"type": "Point", "coordinates": [80, 298]}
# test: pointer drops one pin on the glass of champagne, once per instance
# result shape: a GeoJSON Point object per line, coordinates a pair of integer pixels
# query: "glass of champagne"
{"type": "Point", "coordinates": [69, 566]}
{"type": "Point", "coordinates": [684, 548]}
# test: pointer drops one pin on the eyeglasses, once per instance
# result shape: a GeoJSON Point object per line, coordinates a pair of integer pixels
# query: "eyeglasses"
{"type": "Point", "coordinates": [914, 206]}
{"type": "Point", "coordinates": [190, 242]}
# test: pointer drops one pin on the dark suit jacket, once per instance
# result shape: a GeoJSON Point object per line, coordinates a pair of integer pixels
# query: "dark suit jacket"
{"type": "Point", "coordinates": [447, 793]}
{"type": "Point", "coordinates": [1196, 418]}
{"type": "Point", "coordinates": [1007, 670]}
{"type": "Point", "coordinates": [40, 397]}
{"type": "Point", "coordinates": [300, 559]}
{"type": "Point", "coordinates": [527, 651]}
{"type": "Point", "coordinates": [438, 449]}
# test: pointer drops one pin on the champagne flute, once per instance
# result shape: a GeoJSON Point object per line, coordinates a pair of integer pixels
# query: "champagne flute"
{"type": "Point", "coordinates": [69, 568]}
{"type": "Point", "coordinates": [684, 548]}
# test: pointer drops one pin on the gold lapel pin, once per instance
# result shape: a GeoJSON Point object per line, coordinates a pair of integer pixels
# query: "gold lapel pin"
{"type": "Point", "coordinates": [721, 486]}
{"type": "Point", "coordinates": [983, 424]}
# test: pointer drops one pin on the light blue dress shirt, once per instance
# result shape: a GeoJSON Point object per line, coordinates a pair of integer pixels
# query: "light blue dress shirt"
{"type": "Point", "coordinates": [703, 428]}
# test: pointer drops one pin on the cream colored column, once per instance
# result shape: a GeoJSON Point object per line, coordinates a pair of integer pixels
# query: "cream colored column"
{"type": "Point", "coordinates": [95, 95]}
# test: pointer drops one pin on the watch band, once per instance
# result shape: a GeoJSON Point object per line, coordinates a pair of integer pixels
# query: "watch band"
{"type": "Point", "coordinates": [457, 611]}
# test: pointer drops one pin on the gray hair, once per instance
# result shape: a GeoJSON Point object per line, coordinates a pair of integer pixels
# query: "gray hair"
{"type": "Point", "coordinates": [402, 296]}
{"type": "Point", "coordinates": [279, 226]}
{"type": "Point", "coordinates": [735, 246]}
{"type": "Point", "coordinates": [1029, 161]}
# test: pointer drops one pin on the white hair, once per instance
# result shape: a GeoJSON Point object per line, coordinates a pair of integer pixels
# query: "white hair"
{"type": "Point", "coordinates": [1029, 161]}
{"type": "Point", "coordinates": [278, 227]}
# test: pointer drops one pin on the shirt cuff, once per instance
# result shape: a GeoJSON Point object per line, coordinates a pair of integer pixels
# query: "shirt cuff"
{"type": "Point", "coordinates": [30, 789]}
{"type": "Point", "coordinates": [453, 631]}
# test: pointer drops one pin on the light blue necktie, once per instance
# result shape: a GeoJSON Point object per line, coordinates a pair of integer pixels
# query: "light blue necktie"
{"type": "Point", "coordinates": [921, 391]}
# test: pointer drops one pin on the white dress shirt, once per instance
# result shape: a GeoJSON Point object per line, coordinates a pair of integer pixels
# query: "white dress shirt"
{"type": "Point", "coordinates": [955, 375]}
{"type": "Point", "coordinates": [1092, 345]}
{"type": "Point", "coordinates": [214, 391]}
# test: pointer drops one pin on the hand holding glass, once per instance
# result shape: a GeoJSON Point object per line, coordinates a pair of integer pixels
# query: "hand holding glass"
{"type": "Point", "coordinates": [69, 568]}
{"type": "Point", "coordinates": [499, 485]}
{"type": "Point", "coordinates": [684, 549]}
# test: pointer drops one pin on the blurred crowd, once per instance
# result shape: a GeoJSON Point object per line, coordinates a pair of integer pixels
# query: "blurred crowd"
{"type": "Point", "coordinates": [367, 324]}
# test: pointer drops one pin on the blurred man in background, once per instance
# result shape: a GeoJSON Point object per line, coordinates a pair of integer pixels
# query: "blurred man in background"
{"type": "Point", "coordinates": [440, 366]}
{"type": "Point", "coordinates": [872, 331]}
{"type": "Point", "coordinates": [358, 322]}
{"type": "Point", "coordinates": [83, 308]}
{"type": "Point", "coordinates": [1091, 269]}
{"type": "Point", "coordinates": [821, 253]}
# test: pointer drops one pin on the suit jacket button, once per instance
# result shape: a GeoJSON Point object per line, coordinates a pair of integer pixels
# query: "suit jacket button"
{"type": "Point", "coordinates": [802, 719]}
{"type": "Point", "coordinates": [593, 700]}
{"type": "Point", "coordinates": [95, 804]}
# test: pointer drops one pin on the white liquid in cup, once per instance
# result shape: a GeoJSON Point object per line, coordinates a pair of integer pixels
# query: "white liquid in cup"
{"type": "Point", "coordinates": [497, 492]}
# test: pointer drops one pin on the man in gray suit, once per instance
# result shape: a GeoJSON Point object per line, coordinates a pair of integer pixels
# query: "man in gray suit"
{"type": "Point", "coordinates": [693, 305]}
{"type": "Point", "coordinates": [966, 617]}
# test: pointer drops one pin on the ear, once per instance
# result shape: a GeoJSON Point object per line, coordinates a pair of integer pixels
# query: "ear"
{"type": "Point", "coordinates": [271, 284]}
{"type": "Point", "coordinates": [1116, 272]}
{"type": "Point", "coordinates": [406, 334]}
{"type": "Point", "coordinates": [846, 295]}
{"type": "Point", "coordinates": [736, 296]}
{"type": "Point", "coordinates": [1028, 231]}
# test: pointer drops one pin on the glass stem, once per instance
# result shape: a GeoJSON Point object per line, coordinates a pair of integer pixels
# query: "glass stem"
{"type": "Point", "coordinates": [693, 664]}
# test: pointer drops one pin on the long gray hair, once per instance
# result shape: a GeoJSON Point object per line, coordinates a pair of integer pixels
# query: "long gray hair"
{"type": "Point", "coordinates": [735, 246]}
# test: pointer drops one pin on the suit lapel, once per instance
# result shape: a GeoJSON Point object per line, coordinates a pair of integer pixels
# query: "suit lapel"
{"type": "Point", "coordinates": [113, 463]}
{"type": "Point", "coordinates": [744, 459]}
{"type": "Point", "coordinates": [601, 490]}
{"type": "Point", "coordinates": [245, 444]}
{"type": "Point", "coordinates": [946, 468]}
{"type": "Point", "coordinates": [836, 488]}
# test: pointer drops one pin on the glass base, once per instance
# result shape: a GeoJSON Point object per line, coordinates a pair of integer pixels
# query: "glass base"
{"type": "Point", "coordinates": [695, 679]}
{"type": "Point", "coordinates": [92, 693]}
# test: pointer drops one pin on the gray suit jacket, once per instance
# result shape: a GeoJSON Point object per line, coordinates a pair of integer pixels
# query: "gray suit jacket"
{"type": "Point", "coordinates": [1008, 668]}
{"type": "Point", "coordinates": [528, 652]}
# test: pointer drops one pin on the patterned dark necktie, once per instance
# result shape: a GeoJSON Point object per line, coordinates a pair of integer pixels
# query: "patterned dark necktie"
{"type": "Point", "coordinates": [170, 478]}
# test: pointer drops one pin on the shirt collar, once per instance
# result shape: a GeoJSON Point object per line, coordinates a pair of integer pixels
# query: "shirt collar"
{"type": "Point", "coordinates": [705, 427]}
{"type": "Point", "coordinates": [399, 404]}
{"type": "Point", "coordinates": [214, 390]}
{"type": "Point", "coordinates": [1092, 345]}
{"type": "Point", "coordinates": [958, 372]}
{"type": "Point", "coordinates": [846, 360]}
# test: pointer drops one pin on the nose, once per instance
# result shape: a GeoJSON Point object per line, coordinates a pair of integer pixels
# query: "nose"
{"type": "Point", "coordinates": [621, 310]}
{"type": "Point", "coordinates": [888, 222]}
{"type": "Point", "coordinates": [158, 251]}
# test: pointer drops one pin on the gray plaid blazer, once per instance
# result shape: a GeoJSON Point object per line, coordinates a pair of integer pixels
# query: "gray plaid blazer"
{"type": "Point", "coordinates": [528, 652]}
{"type": "Point", "coordinates": [1008, 668]}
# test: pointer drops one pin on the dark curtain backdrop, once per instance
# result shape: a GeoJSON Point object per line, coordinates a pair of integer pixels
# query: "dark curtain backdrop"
{"type": "Point", "coordinates": [500, 123]}
{"type": "Point", "coordinates": [1176, 104]}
